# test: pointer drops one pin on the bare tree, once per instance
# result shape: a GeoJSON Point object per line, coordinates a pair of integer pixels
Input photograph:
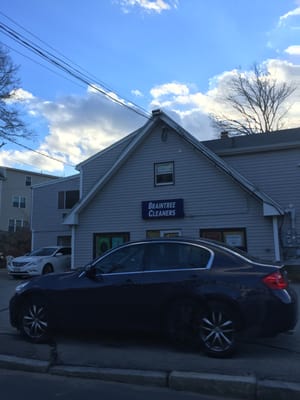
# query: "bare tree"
{"type": "Point", "coordinates": [11, 125]}
{"type": "Point", "coordinates": [255, 103]}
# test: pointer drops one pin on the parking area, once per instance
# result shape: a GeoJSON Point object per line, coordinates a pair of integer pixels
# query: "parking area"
{"type": "Point", "coordinates": [269, 358]}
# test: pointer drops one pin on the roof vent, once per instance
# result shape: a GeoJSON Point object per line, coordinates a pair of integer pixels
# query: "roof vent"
{"type": "Point", "coordinates": [156, 112]}
{"type": "Point", "coordinates": [224, 135]}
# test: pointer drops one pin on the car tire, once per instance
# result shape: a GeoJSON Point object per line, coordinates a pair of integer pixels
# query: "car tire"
{"type": "Point", "coordinates": [217, 330]}
{"type": "Point", "coordinates": [180, 322]}
{"type": "Point", "coordinates": [34, 323]}
{"type": "Point", "coordinates": [48, 269]}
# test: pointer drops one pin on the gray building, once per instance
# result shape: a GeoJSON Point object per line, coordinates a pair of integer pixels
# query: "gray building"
{"type": "Point", "coordinates": [161, 181]}
{"type": "Point", "coordinates": [15, 197]}
{"type": "Point", "coordinates": [52, 201]}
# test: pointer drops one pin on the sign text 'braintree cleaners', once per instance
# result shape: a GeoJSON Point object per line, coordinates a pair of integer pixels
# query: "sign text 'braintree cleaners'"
{"type": "Point", "coordinates": [163, 209]}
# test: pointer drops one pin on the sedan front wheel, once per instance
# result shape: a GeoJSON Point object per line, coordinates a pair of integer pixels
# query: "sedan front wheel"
{"type": "Point", "coordinates": [34, 324]}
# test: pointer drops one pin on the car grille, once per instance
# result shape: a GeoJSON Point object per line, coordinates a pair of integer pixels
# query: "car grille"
{"type": "Point", "coordinates": [19, 264]}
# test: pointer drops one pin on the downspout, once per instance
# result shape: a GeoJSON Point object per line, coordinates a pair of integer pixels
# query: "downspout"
{"type": "Point", "coordinates": [73, 246]}
{"type": "Point", "coordinates": [276, 238]}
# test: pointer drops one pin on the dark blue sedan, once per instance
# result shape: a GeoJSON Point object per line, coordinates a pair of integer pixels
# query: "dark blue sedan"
{"type": "Point", "coordinates": [196, 291]}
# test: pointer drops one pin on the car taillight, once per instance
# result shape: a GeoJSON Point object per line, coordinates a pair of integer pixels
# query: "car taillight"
{"type": "Point", "coordinates": [276, 280]}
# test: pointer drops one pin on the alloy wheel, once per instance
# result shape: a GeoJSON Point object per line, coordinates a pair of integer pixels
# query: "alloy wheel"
{"type": "Point", "coordinates": [35, 323]}
{"type": "Point", "coordinates": [217, 331]}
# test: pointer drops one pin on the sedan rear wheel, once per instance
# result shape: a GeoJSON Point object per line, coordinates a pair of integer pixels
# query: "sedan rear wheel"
{"type": "Point", "coordinates": [48, 268]}
{"type": "Point", "coordinates": [34, 323]}
{"type": "Point", "coordinates": [218, 330]}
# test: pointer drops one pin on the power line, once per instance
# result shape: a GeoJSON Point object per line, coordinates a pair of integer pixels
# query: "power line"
{"type": "Point", "coordinates": [52, 48]}
{"type": "Point", "coordinates": [39, 152]}
{"type": "Point", "coordinates": [43, 66]}
{"type": "Point", "coordinates": [68, 68]}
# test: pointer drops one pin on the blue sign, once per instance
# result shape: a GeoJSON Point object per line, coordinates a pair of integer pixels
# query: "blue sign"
{"type": "Point", "coordinates": [162, 209]}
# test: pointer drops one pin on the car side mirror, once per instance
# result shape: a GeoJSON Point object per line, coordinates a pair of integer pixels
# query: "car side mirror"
{"type": "Point", "coordinates": [59, 254]}
{"type": "Point", "coordinates": [91, 272]}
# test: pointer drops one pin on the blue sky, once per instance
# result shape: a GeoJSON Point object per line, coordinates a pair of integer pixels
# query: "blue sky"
{"type": "Point", "coordinates": [177, 55]}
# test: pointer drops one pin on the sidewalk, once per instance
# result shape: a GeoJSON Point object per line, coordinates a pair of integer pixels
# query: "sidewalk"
{"type": "Point", "coordinates": [258, 372]}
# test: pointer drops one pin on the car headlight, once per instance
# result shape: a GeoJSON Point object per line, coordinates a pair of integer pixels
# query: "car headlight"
{"type": "Point", "coordinates": [32, 264]}
{"type": "Point", "coordinates": [21, 286]}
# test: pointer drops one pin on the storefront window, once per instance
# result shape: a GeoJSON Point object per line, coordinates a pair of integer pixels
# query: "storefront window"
{"type": "Point", "coordinates": [235, 237]}
{"type": "Point", "coordinates": [163, 233]}
{"type": "Point", "coordinates": [106, 241]}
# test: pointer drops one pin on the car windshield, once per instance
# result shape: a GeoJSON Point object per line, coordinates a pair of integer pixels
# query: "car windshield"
{"type": "Point", "coordinates": [44, 251]}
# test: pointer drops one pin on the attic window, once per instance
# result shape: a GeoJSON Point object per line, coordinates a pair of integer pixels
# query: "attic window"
{"type": "Point", "coordinates": [164, 174]}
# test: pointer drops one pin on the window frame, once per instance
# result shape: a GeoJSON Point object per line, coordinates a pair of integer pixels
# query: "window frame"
{"type": "Point", "coordinates": [157, 174]}
{"type": "Point", "coordinates": [18, 224]}
{"type": "Point", "coordinates": [65, 200]}
{"type": "Point", "coordinates": [18, 201]}
{"type": "Point", "coordinates": [28, 180]}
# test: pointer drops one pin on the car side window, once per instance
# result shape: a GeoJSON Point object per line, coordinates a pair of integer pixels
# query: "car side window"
{"type": "Point", "coordinates": [65, 251]}
{"type": "Point", "coordinates": [164, 256]}
{"type": "Point", "coordinates": [196, 256]}
{"type": "Point", "coordinates": [126, 259]}
{"type": "Point", "coordinates": [161, 256]}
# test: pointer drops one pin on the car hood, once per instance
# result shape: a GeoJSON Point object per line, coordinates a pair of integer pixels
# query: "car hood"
{"type": "Point", "coordinates": [52, 281]}
{"type": "Point", "coordinates": [29, 259]}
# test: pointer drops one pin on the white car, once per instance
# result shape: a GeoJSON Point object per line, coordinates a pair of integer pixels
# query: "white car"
{"type": "Point", "coordinates": [41, 261]}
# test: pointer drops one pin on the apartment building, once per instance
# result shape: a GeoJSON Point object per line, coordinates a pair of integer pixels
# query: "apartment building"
{"type": "Point", "coordinates": [16, 197]}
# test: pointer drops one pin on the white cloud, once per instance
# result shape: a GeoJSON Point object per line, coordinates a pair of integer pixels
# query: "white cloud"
{"type": "Point", "coordinates": [80, 126]}
{"type": "Point", "coordinates": [156, 6]}
{"type": "Point", "coordinates": [21, 95]}
{"type": "Point", "coordinates": [192, 107]}
{"type": "Point", "coordinates": [166, 89]}
{"type": "Point", "coordinates": [293, 50]}
{"type": "Point", "coordinates": [137, 93]}
{"type": "Point", "coordinates": [289, 14]}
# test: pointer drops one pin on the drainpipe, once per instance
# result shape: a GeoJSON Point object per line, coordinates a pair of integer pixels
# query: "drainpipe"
{"type": "Point", "coordinates": [73, 247]}
{"type": "Point", "coordinates": [276, 238]}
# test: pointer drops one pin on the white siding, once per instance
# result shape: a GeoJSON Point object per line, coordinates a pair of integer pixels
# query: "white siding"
{"type": "Point", "coordinates": [211, 199]}
{"type": "Point", "coordinates": [277, 173]}
{"type": "Point", "coordinates": [98, 165]}
{"type": "Point", "coordinates": [46, 217]}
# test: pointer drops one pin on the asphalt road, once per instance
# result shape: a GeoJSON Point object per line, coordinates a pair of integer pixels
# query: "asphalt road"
{"type": "Point", "coordinates": [275, 359]}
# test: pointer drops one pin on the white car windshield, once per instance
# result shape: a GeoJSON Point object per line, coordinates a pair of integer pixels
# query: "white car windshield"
{"type": "Point", "coordinates": [44, 251]}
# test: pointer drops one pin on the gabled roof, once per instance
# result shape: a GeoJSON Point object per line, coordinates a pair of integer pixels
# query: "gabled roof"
{"type": "Point", "coordinates": [56, 181]}
{"type": "Point", "coordinates": [262, 142]}
{"type": "Point", "coordinates": [270, 206]}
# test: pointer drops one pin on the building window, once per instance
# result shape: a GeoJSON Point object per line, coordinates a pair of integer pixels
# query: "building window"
{"type": "Point", "coordinates": [19, 201]}
{"type": "Point", "coordinates": [64, 240]}
{"type": "Point", "coordinates": [235, 237]}
{"type": "Point", "coordinates": [28, 181]}
{"type": "Point", "coordinates": [164, 174]}
{"type": "Point", "coordinates": [166, 233]}
{"type": "Point", "coordinates": [106, 241]}
{"type": "Point", "coordinates": [15, 225]}
{"type": "Point", "coordinates": [67, 199]}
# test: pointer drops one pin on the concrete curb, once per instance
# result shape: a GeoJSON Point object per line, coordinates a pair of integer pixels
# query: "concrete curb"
{"type": "Point", "coordinates": [240, 387]}
{"type": "Point", "coordinates": [243, 387]}
{"type": "Point", "coordinates": [23, 364]}
{"type": "Point", "coordinates": [138, 377]}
